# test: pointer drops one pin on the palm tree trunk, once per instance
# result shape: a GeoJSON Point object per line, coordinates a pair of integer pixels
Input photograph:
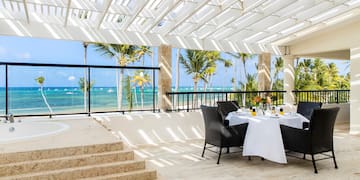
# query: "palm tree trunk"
{"type": "Point", "coordinates": [119, 89]}
{"type": "Point", "coordinates": [195, 97]}
{"type": "Point", "coordinates": [210, 82]}
{"type": "Point", "coordinates": [136, 101]}
{"type": "Point", "coordinates": [177, 70]}
{"type": "Point", "coordinates": [235, 73]}
{"type": "Point", "coordinates": [85, 76]}
{"type": "Point", "coordinates": [205, 86]}
{"type": "Point", "coordinates": [245, 82]}
{"type": "Point", "coordinates": [152, 57]}
{"type": "Point", "coordinates": [142, 97]}
{"type": "Point", "coordinates": [45, 100]}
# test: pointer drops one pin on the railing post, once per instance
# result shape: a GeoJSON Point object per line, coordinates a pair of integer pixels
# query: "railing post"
{"type": "Point", "coordinates": [188, 99]}
{"type": "Point", "coordinates": [6, 92]}
{"type": "Point", "coordinates": [89, 93]}
{"type": "Point", "coordinates": [154, 94]}
{"type": "Point", "coordinates": [337, 96]}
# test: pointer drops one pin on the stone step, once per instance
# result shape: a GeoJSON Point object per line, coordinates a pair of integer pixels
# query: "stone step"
{"type": "Point", "coordinates": [83, 172]}
{"type": "Point", "coordinates": [6, 158]}
{"type": "Point", "coordinates": [133, 175]}
{"type": "Point", "coordinates": [64, 162]}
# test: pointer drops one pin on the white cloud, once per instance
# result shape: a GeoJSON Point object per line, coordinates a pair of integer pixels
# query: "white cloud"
{"type": "Point", "coordinates": [25, 55]}
{"type": "Point", "coordinates": [71, 78]}
{"type": "Point", "coordinates": [2, 51]}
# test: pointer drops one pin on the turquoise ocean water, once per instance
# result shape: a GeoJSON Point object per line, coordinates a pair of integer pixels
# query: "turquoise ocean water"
{"type": "Point", "coordinates": [28, 100]}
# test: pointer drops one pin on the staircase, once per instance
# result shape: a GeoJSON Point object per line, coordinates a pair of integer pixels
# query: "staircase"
{"type": "Point", "coordinates": [101, 161]}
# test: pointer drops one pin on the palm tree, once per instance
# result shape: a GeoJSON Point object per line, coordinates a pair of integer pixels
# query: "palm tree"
{"type": "Point", "coordinates": [177, 79]}
{"type": "Point", "coordinates": [243, 57]}
{"type": "Point", "coordinates": [195, 63]}
{"type": "Point", "coordinates": [213, 57]}
{"type": "Point", "coordinates": [129, 95]}
{"type": "Point", "coordinates": [40, 80]}
{"type": "Point", "coordinates": [142, 51]}
{"type": "Point", "coordinates": [124, 55]}
{"type": "Point", "coordinates": [85, 45]}
{"type": "Point", "coordinates": [141, 79]}
{"type": "Point", "coordinates": [278, 67]}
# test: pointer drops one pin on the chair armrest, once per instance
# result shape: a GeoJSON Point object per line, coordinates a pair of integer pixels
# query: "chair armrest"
{"type": "Point", "coordinates": [226, 123]}
{"type": "Point", "coordinates": [305, 125]}
{"type": "Point", "coordinates": [295, 139]}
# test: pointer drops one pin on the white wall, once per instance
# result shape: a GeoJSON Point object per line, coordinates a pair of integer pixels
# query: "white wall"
{"type": "Point", "coordinates": [344, 113]}
{"type": "Point", "coordinates": [354, 91]}
{"type": "Point", "coordinates": [154, 128]}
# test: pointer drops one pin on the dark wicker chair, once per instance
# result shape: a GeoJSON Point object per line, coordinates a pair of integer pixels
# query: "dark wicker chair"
{"type": "Point", "coordinates": [218, 133]}
{"type": "Point", "coordinates": [318, 139]}
{"type": "Point", "coordinates": [306, 109]}
{"type": "Point", "coordinates": [225, 107]}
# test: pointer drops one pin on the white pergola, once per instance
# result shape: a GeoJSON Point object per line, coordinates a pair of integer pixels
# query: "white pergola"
{"type": "Point", "coordinates": [252, 26]}
{"type": "Point", "coordinates": [290, 28]}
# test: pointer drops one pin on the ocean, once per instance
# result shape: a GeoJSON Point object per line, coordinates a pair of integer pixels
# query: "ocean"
{"type": "Point", "coordinates": [28, 100]}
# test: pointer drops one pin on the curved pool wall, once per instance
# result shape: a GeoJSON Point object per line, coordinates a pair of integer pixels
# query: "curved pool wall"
{"type": "Point", "coordinates": [12, 132]}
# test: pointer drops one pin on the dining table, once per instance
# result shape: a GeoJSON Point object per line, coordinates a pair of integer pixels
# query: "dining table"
{"type": "Point", "coordinates": [263, 135]}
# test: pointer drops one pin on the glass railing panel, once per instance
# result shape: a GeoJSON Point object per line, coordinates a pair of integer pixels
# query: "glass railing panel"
{"type": "Point", "coordinates": [104, 89]}
{"type": "Point", "coordinates": [45, 90]}
{"type": "Point", "coordinates": [143, 90]}
{"type": "Point", "coordinates": [2, 90]}
{"type": "Point", "coordinates": [136, 88]}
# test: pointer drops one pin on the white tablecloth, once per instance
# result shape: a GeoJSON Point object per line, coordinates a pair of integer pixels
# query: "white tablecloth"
{"type": "Point", "coordinates": [263, 135]}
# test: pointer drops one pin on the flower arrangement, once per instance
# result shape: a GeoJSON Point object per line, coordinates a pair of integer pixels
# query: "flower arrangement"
{"type": "Point", "coordinates": [265, 100]}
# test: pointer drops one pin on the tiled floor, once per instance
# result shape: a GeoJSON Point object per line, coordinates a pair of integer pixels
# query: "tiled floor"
{"type": "Point", "coordinates": [182, 160]}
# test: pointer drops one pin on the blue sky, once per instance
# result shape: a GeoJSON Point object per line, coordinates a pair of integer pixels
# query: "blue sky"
{"type": "Point", "coordinates": [18, 49]}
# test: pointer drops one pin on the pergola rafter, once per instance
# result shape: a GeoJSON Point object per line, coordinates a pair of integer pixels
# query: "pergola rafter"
{"type": "Point", "coordinates": [229, 25]}
{"type": "Point", "coordinates": [162, 15]}
{"type": "Point", "coordinates": [67, 13]}
{"type": "Point", "coordinates": [103, 14]}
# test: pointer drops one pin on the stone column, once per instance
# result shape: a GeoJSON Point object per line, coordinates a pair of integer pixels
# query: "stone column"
{"type": "Point", "coordinates": [264, 78]}
{"type": "Point", "coordinates": [289, 80]}
{"type": "Point", "coordinates": [165, 76]}
{"type": "Point", "coordinates": [354, 90]}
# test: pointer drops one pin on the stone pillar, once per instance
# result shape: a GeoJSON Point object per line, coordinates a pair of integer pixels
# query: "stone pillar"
{"type": "Point", "coordinates": [264, 78]}
{"type": "Point", "coordinates": [165, 76]}
{"type": "Point", "coordinates": [289, 80]}
{"type": "Point", "coordinates": [354, 90]}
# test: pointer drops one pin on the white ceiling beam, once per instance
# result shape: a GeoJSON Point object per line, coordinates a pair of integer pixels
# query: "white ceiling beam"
{"type": "Point", "coordinates": [67, 13]}
{"type": "Point", "coordinates": [103, 14]}
{"type": "Point", "coordinates": [128, 23]}
{"type": "Point", "coordinates": [266, 15]}
{"type": "Point", "coordinates": [292, 35]}
{"type": "Point", "coordinates": [195, 10]}
{"type": "Point", "coordinates": [160, 17]}
{"type": "Point", "coordinates": [219, 27]}
{"type": "Point", "coordinates": [215, 15]}
{"type": "Point", "coordinates": [26, 11]}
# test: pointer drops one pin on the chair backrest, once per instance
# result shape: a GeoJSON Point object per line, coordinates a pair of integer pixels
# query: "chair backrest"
{"type": "Point", "coordinates": [322, 128]}
{"type": "Point", "coordinates": [213, 123]}
{"type": "Point", "coordinates": [306, 108]}
{"type": "Point", "coordinates": [225, 107]}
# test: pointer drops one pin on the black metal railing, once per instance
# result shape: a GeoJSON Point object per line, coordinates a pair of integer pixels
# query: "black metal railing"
{"type": "Point", "coordinates": [192, 100]}
{"type": "Point", "coordinates": [23, 100]}
{"type": "Point", "coordinates": [323, 96]}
